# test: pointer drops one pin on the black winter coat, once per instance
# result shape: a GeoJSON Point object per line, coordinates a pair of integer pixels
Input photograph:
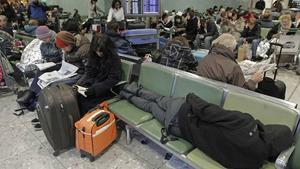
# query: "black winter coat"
{"type": "Point", "coordinates": [192, 28]}
{"type": "Point", "coordinates": [251, 34]}
{"type": "Point", "coordinates": [229, 137]}
{"type": "Point", "coordinates": [51, 53]}
{"type": "Point", "coordinates": [234, 139]}
{"type": "Point", "coordinates": [101, 75]}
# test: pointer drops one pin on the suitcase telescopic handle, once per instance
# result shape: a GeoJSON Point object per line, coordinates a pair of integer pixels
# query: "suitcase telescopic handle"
{"type": "Point", "coordinates": [94, 116]}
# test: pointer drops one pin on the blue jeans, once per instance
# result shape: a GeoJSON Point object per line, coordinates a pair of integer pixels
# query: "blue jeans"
{"type": "Point", "coordinates": [254, 46]}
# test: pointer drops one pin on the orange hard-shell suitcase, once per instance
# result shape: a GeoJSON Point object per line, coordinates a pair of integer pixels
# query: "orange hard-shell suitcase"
{"type": "Point", "coordinates": [95, 132]}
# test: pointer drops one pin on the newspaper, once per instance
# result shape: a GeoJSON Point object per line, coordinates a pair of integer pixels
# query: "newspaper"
{"type": "Point", "coordinates": [249, 67]}
{"type": "Point", "coordinates": [81, 90]}
{"type": "Point", "coordinates": [66, 71]}
{"type": "Point", "coordinates": [44, 66]}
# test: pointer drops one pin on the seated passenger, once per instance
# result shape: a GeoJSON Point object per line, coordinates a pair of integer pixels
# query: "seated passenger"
{"type": "Point", "coordinates": [122, 45]}
{"type": "Point", "coordinates": [31, 27]}
{"type": "Point", "coordinates": [165, 23]}
{"type": "Point", "coordinates": [3, 25]}
{"type": "Point", "coordinates": [178, 54]}
{"type": "Point", "coordinates": [251, 33]}
{"type": "Point", "coordinates": [266, 19]}
{"type": "Point", "coordinates": [283, 28]}
{"type": "Point", "coordinates": [210, 34]}
{"type": "Point", "coordinates": [221, 134]}
{"type": "Point", "coordinates": [179, 24]}
{"type": "Point", "coordinates": [72, 54]}
{"type": "Point", "coordinates": [48, 48]}
{"type": "Point", "coordinates": [220, 64]}
{"type": "Point", "coordinates": [102, 72]}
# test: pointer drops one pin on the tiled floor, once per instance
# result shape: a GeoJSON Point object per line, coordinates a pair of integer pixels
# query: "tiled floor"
{"type": "Point", "coordinates": [23, 148]}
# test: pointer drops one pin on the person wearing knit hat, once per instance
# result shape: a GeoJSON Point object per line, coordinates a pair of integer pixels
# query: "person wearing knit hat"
{"type": "Point", "coordinates": [65, 40]}
{"type": "Point", "coordinates": [73, 54]}
{"type": "Point", "coordinates": [45, 34]}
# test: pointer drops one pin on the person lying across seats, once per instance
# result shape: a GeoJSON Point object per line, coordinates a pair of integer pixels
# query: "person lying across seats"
{"type": "Point", "coordinates": [178, 54]}
{"type": "Point", "coordinates": [72, 54]}
{"type": "Point", "coordinates": [102, 73]}
{"type": "Point", "coordinates": [220, 64]}
{"type": "Point", "coordinates": [210, 34]}
{"type": "Point", "coordinates": [122, 45]}
{"type": "Point", "coordinates": [283, 28]}
{"type": "Point", "coordinates": [232, 138]}
{"type": "Point", "coordinates": [251, 33]}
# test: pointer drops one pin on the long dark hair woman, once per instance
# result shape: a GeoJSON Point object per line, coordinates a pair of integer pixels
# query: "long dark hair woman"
{"type": "Point", "coordinates": [103, 72]}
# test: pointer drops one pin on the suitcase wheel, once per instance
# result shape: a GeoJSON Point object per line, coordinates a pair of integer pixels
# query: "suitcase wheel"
{"type": "Point", "coordinates": [92, 159]}
{"type": "Point", "coordinates": [82, 155]}
{"type": "Point", "coordinates": [56, 153]}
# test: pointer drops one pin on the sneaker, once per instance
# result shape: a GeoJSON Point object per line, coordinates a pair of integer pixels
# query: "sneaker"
{"type": "Point", "coordinates": [37, 127]}
{"type": "Point", "coordinates": [34, 121]}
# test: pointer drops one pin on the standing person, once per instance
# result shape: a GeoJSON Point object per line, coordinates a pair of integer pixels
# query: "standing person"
{"type": "Point", "coordinates": [93, 9]}
{"type": "Point", "coordinates": [191, 26]}
{"type": "Point", "coordinates": [37, 10]}
{"type": "Point", "coordinates": [103, 72]}
{"type": "Point", "coordinates": [116, 12]}
{"type": "Point", "coordinates": [260, 4]}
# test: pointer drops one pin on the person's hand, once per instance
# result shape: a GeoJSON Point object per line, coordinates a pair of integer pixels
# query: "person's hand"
{"type": "Point", "coordinates": [258, 76]}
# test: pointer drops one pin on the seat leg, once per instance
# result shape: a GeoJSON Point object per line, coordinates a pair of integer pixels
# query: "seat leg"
{"type": "Point", "coordinates": [128, 134]}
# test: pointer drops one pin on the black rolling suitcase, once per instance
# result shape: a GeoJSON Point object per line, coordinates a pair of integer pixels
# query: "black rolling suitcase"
{"type": "Point", "coordinates": [273, 87]}
{"type": "Point", "coordinates": [58, 111]}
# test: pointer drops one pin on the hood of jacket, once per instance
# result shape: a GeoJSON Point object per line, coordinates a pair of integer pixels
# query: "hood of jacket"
{"type": "Point", "coordinates": [222, 50]}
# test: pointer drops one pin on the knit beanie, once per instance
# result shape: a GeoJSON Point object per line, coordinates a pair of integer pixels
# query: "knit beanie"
{"type": "Point", "coordinates": [43, 32]}
{"type": "Point", "coordinates": [64, 39]}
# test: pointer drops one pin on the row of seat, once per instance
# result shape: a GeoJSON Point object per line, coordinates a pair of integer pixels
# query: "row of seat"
{"type": "Point", "coordinates": [171, 82]}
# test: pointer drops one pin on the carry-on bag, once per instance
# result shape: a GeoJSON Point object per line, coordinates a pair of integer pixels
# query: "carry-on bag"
{"type": "Point", "coordinates": [95, 132]}
{"type": "Point", "coordinates": [57, 110]}
{"type": "Point", "coordinates": [273, 87]}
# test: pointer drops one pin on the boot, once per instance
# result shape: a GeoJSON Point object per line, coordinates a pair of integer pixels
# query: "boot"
{"type": "Point", "coordinates": [27, 96]}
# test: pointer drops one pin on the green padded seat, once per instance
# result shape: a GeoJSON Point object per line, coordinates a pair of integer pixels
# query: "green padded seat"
{"type": "Point", "coordinates": [153, 128]}
{"type": "Point", "coordinates": [186, 84]}
{"type": "Point", "coordinates": [203, 161]}
{"type": "Point", "coordinates": [264, 32]}
{"type": "Point", "coordinates": [266, 111]}
{"type": "Point", "coordinates": [157, 78]}
{"type": "Point", "coordinates": [26, 39]}
{"type": "Point", "coordinates": [127, 111]}
{"type": "Point", "coordinates": [126, 70]}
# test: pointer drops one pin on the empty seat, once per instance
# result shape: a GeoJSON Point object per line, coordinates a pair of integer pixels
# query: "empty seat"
{"type": "Point", "coordinates": [128, 112]}
{"type": "Point", "coordinates": [203, 161]}
{"type": "Point", "coordinates": [153, 128]}
{"type": "Point", "coordinates": [264, 110]}
{"type": "Point", "coordinates": [157, 78]}
{"type": "Point", "coordinates": [199, 86]}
